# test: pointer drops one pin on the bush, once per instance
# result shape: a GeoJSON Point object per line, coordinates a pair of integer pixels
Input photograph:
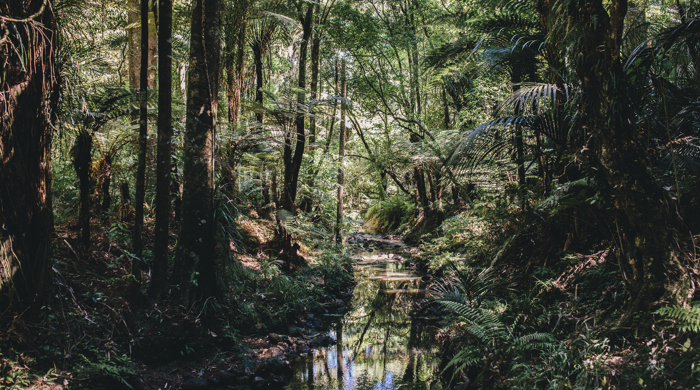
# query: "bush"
{"type": "Point", "coordinates": [391, 213]}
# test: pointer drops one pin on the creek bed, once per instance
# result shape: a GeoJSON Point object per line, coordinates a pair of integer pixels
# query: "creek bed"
{"type": "Point", "coordinates": [379, 345]}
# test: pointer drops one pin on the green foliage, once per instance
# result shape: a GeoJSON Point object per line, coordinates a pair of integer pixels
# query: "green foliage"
{"type": "Point", "coordinates": [687, 319]}
{"type": "Point", "coordinates": [391, 213]}
{"type": "Point", "coordinates": [472, 300]}
{"type": "Point", "coordinates": [13, 376]}
{"type": "Point", "coordinates": [106, 370]}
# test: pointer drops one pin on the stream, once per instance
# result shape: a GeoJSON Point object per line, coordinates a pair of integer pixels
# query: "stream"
{"type": "Point", "coordinates": [380, 346]}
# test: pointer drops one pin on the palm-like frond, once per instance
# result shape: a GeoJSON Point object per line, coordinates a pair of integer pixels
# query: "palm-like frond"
{"type": "Point", "coordinates": [533, 110]}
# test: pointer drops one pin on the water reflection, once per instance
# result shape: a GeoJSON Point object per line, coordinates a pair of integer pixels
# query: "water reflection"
{"type": "Point", "coordinates": [380, 346]}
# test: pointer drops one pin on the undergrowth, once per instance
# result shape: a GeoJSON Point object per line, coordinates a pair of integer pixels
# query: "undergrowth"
{"type": "Point", "coordinates": [534, 297]}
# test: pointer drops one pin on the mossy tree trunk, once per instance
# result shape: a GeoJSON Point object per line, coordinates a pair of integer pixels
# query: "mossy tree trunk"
{"type": "Point", "coordinates": [29, 92]}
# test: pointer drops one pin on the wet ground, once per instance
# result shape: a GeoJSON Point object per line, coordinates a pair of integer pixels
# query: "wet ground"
{"type": "Point", "coordinates": [379, 345]}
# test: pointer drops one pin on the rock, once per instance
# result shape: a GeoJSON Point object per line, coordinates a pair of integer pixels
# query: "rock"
{"type": "Point", "coordinates": [226, 378]}
{"type": "Point", "coordinates": [195, 384]}
{"type": "Point", "coordinates": [242, 379]}
{"type": "Point", "coordinates": [273, 352]}
{"type": "Point", "coordinates": [258, 382]}
{"type": "Point", "coordinates": [321, 341]}
{"type": "Point", "coordinates": [273, 366]}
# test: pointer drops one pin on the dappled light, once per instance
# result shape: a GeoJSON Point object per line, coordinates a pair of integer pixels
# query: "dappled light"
{"type": "Point", "coordinates": [349, 195]}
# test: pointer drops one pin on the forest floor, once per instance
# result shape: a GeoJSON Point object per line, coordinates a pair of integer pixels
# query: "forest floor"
{"type": "Point", "coordinates": [100, 330]}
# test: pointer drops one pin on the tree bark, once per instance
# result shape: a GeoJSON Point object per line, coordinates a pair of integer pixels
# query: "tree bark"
{"type": "Point", "coordinates": [82, 162]}
{"type": "Point", "coordinates": [315, 53]}
{"type": "Point", "coordinates": [298, 142]}
{"type": "Point", "coordinates": [341, 157]}
{"type": "Point", "coordinates": [106, 181]}
{"type": "Point", "coordinates": [137, 240]}
{"type": "Point", "coordinates": [236, 36]}
{"type": "Point", "coordinates": [649, 268]}
{"type": "Point", "coordinates": [163, 158]}
{"type": "Point", "coordinates": [28, 96]}
{"type": "Point", "coordinates": [134, 43]}
{"type": "Point", "coordinates": [257, 61]}
{"type": "Point", "coordinates": [195, 268]}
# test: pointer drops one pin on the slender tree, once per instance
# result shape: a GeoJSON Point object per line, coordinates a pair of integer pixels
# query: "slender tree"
{"type": "Point", "coordinates": [235, 31]}
{"type": "Point", "coordinates": [194, 263]}
{"type": "Point", "coordinates": [260, 40]}
{"type": "Point", "coordinates": [297, 142]}
{"type": "Point", "coordinates": [137, 240]}
{"type": "Point", "coordinates": [341, 156]}
{"type": "Point", "coordinates": [163, 167]}
{"type": "Point", "coordinates": [82, 163]}
{"type": "Point", "coordinates": [29, 91]}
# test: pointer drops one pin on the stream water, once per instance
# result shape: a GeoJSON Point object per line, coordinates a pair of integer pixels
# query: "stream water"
{"type": "Point", "coordinates": [380, 346]}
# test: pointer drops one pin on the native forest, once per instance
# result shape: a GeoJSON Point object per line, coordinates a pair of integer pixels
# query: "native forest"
{"type": "Point", "coordinates": [349, 194]}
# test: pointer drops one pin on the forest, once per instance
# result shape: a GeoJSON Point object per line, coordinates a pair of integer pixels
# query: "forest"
{"type": "Point", "coordinates": [349, 194]}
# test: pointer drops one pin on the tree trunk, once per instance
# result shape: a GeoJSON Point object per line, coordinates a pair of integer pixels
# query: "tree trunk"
{"type": "Point", "coordinates": [163, 159]}
{"type": "Point", "coordinates": [257, 61]}
{"type": "Point", "coordinates": [446, 108]}
{"type": "Point", "coordinates": [649, 268]}
{"type": "Point", "coordinates": [82, 162]}
{"type": "Point", "coordinates": [29, 92]}
{"type": "Point", "coordinates": [106, 181]}
{"type": "Point", "coordinates": [236, 28]}
{"type": "Point", "coordinates": [137, 240]}
{"type": "Point", "coordinates": [195, 273]}
{"type": "Point", "coordinates": [134, 43]}
{"type": "Point", "coordinates": [341, 157]}
{"type": "Point", "coordinates": [335, 107]}
{"type": "Point", "coordinates": [293, 162]}
{"type": "Point", "coordinates": [315, 51]}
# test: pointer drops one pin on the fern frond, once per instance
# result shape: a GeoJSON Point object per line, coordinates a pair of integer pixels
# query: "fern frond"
{"type": "Point", "coordinates": [687, 319]}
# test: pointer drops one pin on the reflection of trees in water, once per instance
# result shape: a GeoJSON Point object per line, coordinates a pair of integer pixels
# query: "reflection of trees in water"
{"type": "Point", "coordinates": [380, 346]}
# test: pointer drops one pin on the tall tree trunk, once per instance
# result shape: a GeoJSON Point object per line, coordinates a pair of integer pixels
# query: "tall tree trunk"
{"type": "Point", "coordinates": [163, 159]}
{"type": "Point", "coordinates": [106, 182]}
{"type": "Point", "coordinates": [29, 90]}
{"type": "Point", "coordinates": [446, 107]}
{"type": "Point", "coordinates": [152, 45]}
{"type": "Point", "coordinates": [137, 240]}
{"type": "Point", "coordinates": [293, 161]}
{"type": "Point", "coordinates": [315, 51]}
{"type": "Point", "coordinates": [335, 107]}
{"type": "Point", "coordinates": [649, 268]}
{"type": "Point", "coordinates": [82, 162]}
{"type": "Point", "coordinates": [134, 43]}
{"type": "Point", "coordinates": [257, 61]}
{"type": "Point", "coordinates": [236, 28]}
{"type": "Point", "coordinates": [341, 157]}
{"type": "Point", "coordinates": [194, 265]}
